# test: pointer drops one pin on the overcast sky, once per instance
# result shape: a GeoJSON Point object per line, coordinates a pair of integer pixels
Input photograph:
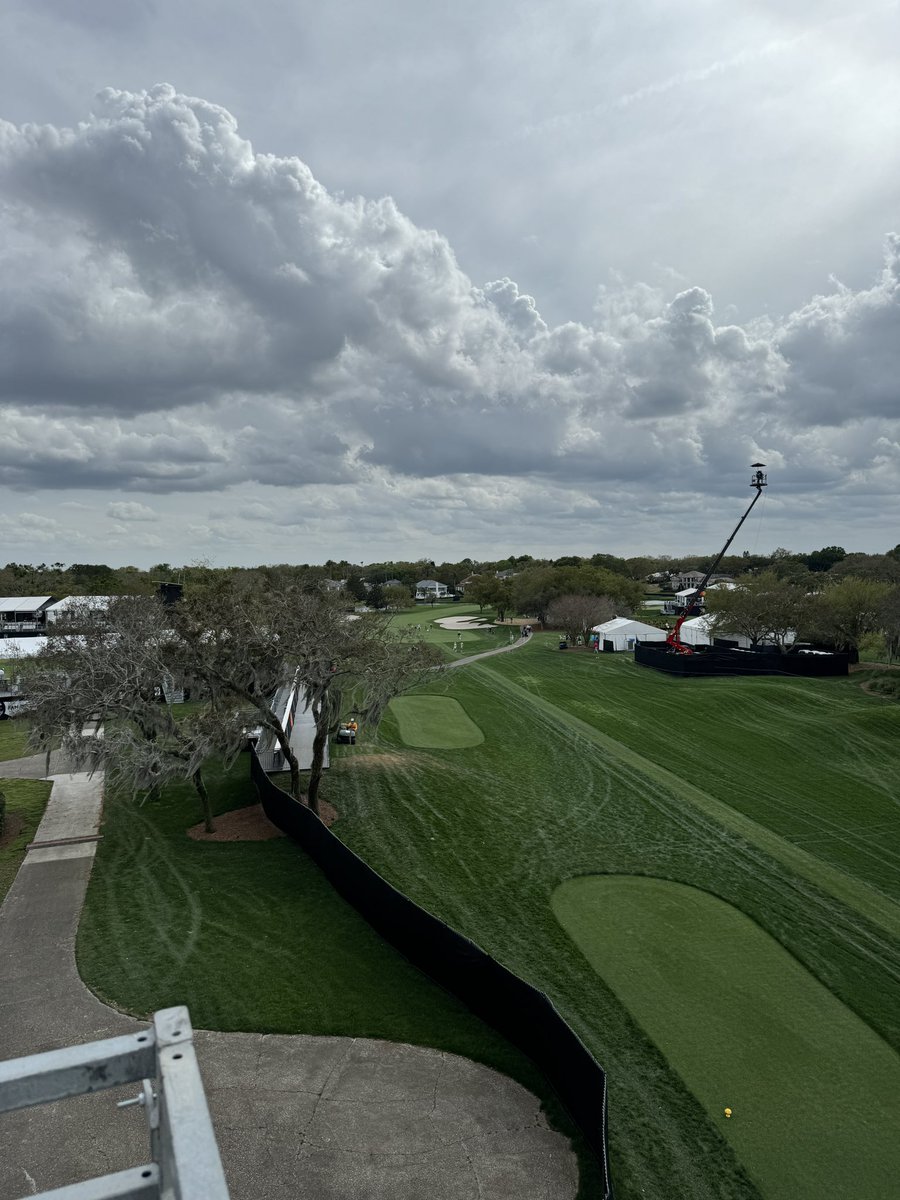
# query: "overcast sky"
{"type": "Point", "coordinates": [286, 281]}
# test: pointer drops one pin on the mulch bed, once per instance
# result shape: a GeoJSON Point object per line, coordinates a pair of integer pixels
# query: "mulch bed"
{"type": "Point", "coordinates": [250, 825]}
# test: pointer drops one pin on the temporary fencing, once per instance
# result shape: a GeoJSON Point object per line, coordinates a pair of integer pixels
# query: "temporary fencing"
{"type": "Point", "coordinates": [520, 1012]}
{"type": "Point", "coordinates": [721, 660]}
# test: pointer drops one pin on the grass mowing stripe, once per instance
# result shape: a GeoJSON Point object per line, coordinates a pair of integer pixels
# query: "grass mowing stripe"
{"type": "Point", "coordinates": [868, 901]}
{"type": "Point", "coordinates": [745, 1025]}
{"type": "Point", "coordinates": [539, 802]}
{"type": "Point", "coordinates": [251, 937]}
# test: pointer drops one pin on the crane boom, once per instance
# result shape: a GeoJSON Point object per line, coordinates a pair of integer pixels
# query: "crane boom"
{"type": "Point", "coordinates": [673, 641]}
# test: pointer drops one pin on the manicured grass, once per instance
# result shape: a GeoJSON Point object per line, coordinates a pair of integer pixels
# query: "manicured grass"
{"type": "Point", "coordinates": [13, 738]}
{"type": "Point", "coordinates": [435, 722]}
{"type": "Point", "coordinates": [453, 643]}
{"type": "Point", "coordinates": [813, 1090]}
{"type": "Point", "coordinates": [250, 936]}
{"type": "Point", "coordinates": [779, 795]}
{"type": "Point", "coordinates": [25, 799]}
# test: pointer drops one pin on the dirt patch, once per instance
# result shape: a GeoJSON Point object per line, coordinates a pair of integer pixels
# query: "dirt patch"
{"type": "Point", "coordinates": [11, 829]}
{"type": "Point", "coordinates": [369, 761]}
{"type": "Point", "coordinates": [250, 825]}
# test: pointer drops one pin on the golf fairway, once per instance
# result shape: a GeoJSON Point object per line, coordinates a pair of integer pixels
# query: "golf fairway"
{"type": "Point", "coordinates": [815, 1093]}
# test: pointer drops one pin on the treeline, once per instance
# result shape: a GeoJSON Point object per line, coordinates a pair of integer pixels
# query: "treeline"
{"type": "Point", "coordinates": [528, 577]}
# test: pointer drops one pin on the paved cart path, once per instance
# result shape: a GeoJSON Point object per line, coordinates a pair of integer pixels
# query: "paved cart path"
{"type": "Point", "coordinates": [470, 658]}
{"type": "Point", "coordinates": [294, 1116]}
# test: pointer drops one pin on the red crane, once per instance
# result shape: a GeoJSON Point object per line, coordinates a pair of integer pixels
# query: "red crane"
{"type": "Point", "coordinates": [673, 641]}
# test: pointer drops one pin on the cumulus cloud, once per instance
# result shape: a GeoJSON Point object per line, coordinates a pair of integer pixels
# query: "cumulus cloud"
{"type": "Point", "coordinates": [183, 313]}
{"type": "Point", "coordinates": [130, 510]}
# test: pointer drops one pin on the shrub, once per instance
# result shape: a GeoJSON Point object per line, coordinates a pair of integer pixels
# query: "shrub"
{"type": "Point", "coordinates": [886, 683]}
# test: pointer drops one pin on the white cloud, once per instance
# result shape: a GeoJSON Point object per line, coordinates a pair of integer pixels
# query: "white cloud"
{"type": "Point", "coordinates": [183, 314]}
{"type": "Point", "coordinates": [130, 510]}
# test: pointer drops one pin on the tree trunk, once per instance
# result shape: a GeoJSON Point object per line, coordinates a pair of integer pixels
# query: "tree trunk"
{"type": "Point", "coordinates": [284, 741]}
{"type": "Point", "coordinates": [197, 780]}
{"type": "Point", "coordinates": [320, 741]}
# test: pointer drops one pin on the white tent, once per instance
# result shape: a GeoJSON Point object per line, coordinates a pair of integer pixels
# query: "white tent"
{"type": "Point", "coordinates": [700, 631]}
{"type": "Point", "coordinates": [623, 632]}
{"type": "Point", "coordinates": [76, 603]}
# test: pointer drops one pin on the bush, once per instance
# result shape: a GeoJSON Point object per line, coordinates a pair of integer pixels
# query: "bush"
{"type": "Point", "coordinates": [885, 683]}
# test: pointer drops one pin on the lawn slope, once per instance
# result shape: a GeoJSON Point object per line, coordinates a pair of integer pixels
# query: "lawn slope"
{"type": "Point", "coordinates": [579, 773]}
{"type": "Point", "coordinates": [251, 937]}
{"type": "Point", "coordinates": [813, 1090]}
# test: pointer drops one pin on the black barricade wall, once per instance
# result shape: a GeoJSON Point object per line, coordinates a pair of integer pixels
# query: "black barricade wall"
{"type": "Point", "coordinates": [517, 1010]}
{"type": "Point", "coordinates": [720, 660]}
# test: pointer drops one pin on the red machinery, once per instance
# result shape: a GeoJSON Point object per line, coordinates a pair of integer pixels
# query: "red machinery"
{"type": "Point", "coordinates": [673, 641]}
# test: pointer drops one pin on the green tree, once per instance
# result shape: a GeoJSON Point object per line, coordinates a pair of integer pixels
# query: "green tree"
{"type": "Point", "coordinates": [889, 616]}
{"type": "Point", "coordinates": [535, 589]}
{"type": "Point", "coordinates": [824, 559]}
{"type": "Point", "coordinates": [375, 598]}
{"type": "Point", "coordinates": [483, 590]}
{"type": "Point", "coordinates": [247, 645]}
{"type": "Point", "coordinates": [881, 567]}
{"type": "Point", "coordinates": [356, 587]}
{"type": "Point", "coordinates": [502, 600]}
{"type": "Point", "coordinates": [397, 596]}
{"type": "Point", "coordinates": [762, 608]}
{"type": "Point", "coordinates": [846, 611]}
{"type": "Point", "coordinates": [118, 668]}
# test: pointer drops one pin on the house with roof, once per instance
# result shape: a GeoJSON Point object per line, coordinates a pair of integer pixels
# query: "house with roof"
{"type": "Point", "coordinates": [429, 590]}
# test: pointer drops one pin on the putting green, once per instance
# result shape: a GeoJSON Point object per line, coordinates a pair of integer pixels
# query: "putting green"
{"type": "Point", "coordinates": [435, 723]}
{"type": "Point", "coordinates": [815, 1093]}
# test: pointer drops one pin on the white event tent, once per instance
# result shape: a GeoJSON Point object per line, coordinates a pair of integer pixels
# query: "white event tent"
{"type": "Point", "coordinates": [623, 632]}
{"type": "Point", "coordinates": [700, 631]}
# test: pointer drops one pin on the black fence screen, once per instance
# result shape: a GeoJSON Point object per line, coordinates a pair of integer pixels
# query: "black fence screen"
{"type": "Point", "coordinates": [513, 1007]}
{"type": "Point", "coordinates": [722, 660]}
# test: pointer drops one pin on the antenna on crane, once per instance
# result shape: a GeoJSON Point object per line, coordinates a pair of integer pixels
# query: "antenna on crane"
{"type": "Point", "coordinates": [676, 646]}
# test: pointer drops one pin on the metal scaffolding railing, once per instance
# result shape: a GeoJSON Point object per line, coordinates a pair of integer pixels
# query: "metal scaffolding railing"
{"type": "Point", "coordinates": [184, 1158]}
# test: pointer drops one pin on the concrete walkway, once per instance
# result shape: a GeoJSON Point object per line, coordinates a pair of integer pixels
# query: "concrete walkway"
{"type": "Point", "coordinates": [470, 658]}
{"type": "Point", "coordinates": [323, 1118]}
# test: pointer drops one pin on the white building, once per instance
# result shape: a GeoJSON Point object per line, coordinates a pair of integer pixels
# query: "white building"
{"type": "Point", "coordinates": [431, 589]}
{"type": "Point", "coordinates": [623, 632]}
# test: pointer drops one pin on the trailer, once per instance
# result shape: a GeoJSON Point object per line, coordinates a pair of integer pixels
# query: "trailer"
{"type": "Point", "coordinates": [291, 704]}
